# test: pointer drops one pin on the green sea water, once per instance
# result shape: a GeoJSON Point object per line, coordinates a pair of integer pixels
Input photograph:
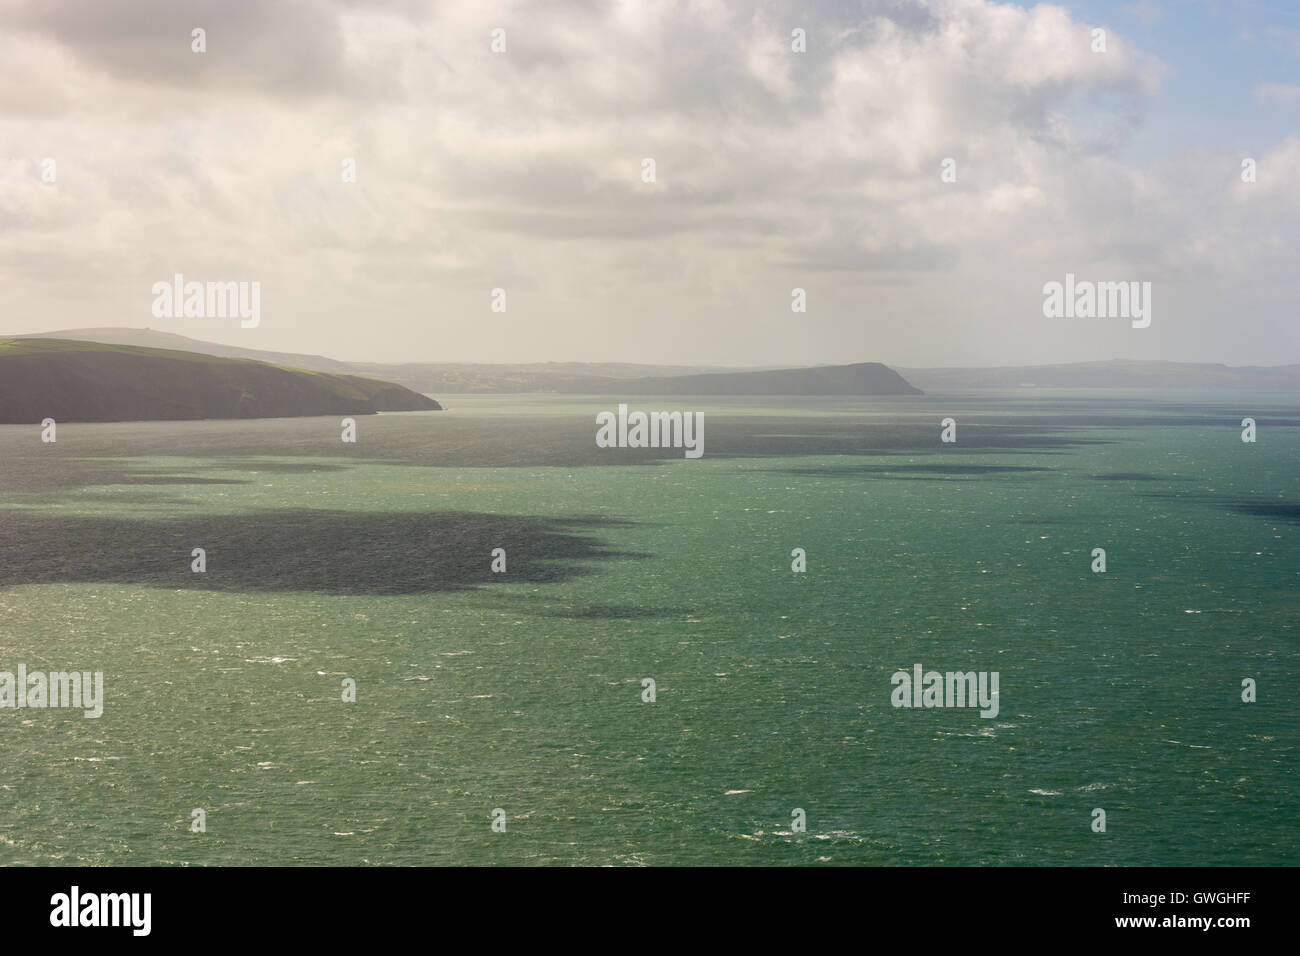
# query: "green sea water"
{"type": "Point", "coordinates": [523, 691]}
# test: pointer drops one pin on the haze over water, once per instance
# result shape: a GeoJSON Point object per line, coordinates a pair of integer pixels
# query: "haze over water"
{"type": "Point", "coordinates": [523, 690]}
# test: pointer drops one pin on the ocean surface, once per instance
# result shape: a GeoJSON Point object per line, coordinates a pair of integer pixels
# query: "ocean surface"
{"type": "Point", "coordinates": [522, 691]}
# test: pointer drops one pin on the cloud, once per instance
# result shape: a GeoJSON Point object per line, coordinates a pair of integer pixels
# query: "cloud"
{"type": "Point", "coordinates": [1288, 38]}
{"type": "Point", "coordinates": [475, 170]}
{"type": "Point", "coordinates": [1282, 94]}
{"type": "Point", "coordinates": [293, 48]}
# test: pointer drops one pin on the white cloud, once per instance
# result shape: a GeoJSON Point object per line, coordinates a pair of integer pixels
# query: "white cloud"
{"type": "Point", "coordinates": [522, 170]}
{"type": "Point", "coordinates": [1283, 94]}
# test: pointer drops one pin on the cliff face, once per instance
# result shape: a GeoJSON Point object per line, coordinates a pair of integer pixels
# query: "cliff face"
{"type": "Point", "coordinates": [89, 382]}
{"type": "Point", "coordinates": [864, 378]}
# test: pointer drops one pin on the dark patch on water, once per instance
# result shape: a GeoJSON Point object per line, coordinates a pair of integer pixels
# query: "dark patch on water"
{"type": "Point", "coordinates": [45, 478]}
{"type": "Point", "coordinates": [1280, 510]}
{"type": "Point", "coordinates": [135, 478]}
{"type": "Point", "coordinates": [906, 472]}
{"type": "Point", "coordinates": [893, 439]}
{"type": "Point", "coordinates": [146, 498]}
{"type": "Point", "coordinates": [1271, 508]}
{"type": "Point", "coordinates": [100, 454]}
{"type": "Point", "coordinates": [254, 466]}
{"type": "Point", "coordinates": [600, 612]}
{"type": "Point", "coordinates": [336, 552]}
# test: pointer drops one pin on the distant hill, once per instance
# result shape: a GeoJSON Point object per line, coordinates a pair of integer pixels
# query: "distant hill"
{"type": "Point", "coordinates": [154, 339]}
{"type": "Point", "coordinates": [865, 378]}
{"type": "Point", "coordinates": [436, 377]}
{"type": "Point", "coordinates": [615, 377]}
{"type": "Point", "coordinates": [1117, 374]}
{"type": "Point", "coordinates": [78, 381]}
{"type": "Point", "coordinates": [590, 378]}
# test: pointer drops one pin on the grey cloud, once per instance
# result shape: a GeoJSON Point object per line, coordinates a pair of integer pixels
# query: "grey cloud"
{"type": "Point", "coordinates": [290, 48]}
{"type": "Point", "coordinates": [522, 170]}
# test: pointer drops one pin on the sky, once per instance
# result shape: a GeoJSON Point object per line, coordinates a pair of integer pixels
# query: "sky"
{"type": "Point", "coordinates": [126, 157]}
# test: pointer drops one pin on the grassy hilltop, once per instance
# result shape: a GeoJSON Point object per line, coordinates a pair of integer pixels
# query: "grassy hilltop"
{"type": "Point", "coordinates": [79, 381]}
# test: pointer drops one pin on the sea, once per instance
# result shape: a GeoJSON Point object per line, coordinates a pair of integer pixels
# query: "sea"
{"type": "Point", "coordinates": [649, 681]}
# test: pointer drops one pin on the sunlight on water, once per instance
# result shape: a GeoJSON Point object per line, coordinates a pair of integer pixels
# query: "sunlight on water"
{"type": "Point", "coordinates": [523, 690]}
